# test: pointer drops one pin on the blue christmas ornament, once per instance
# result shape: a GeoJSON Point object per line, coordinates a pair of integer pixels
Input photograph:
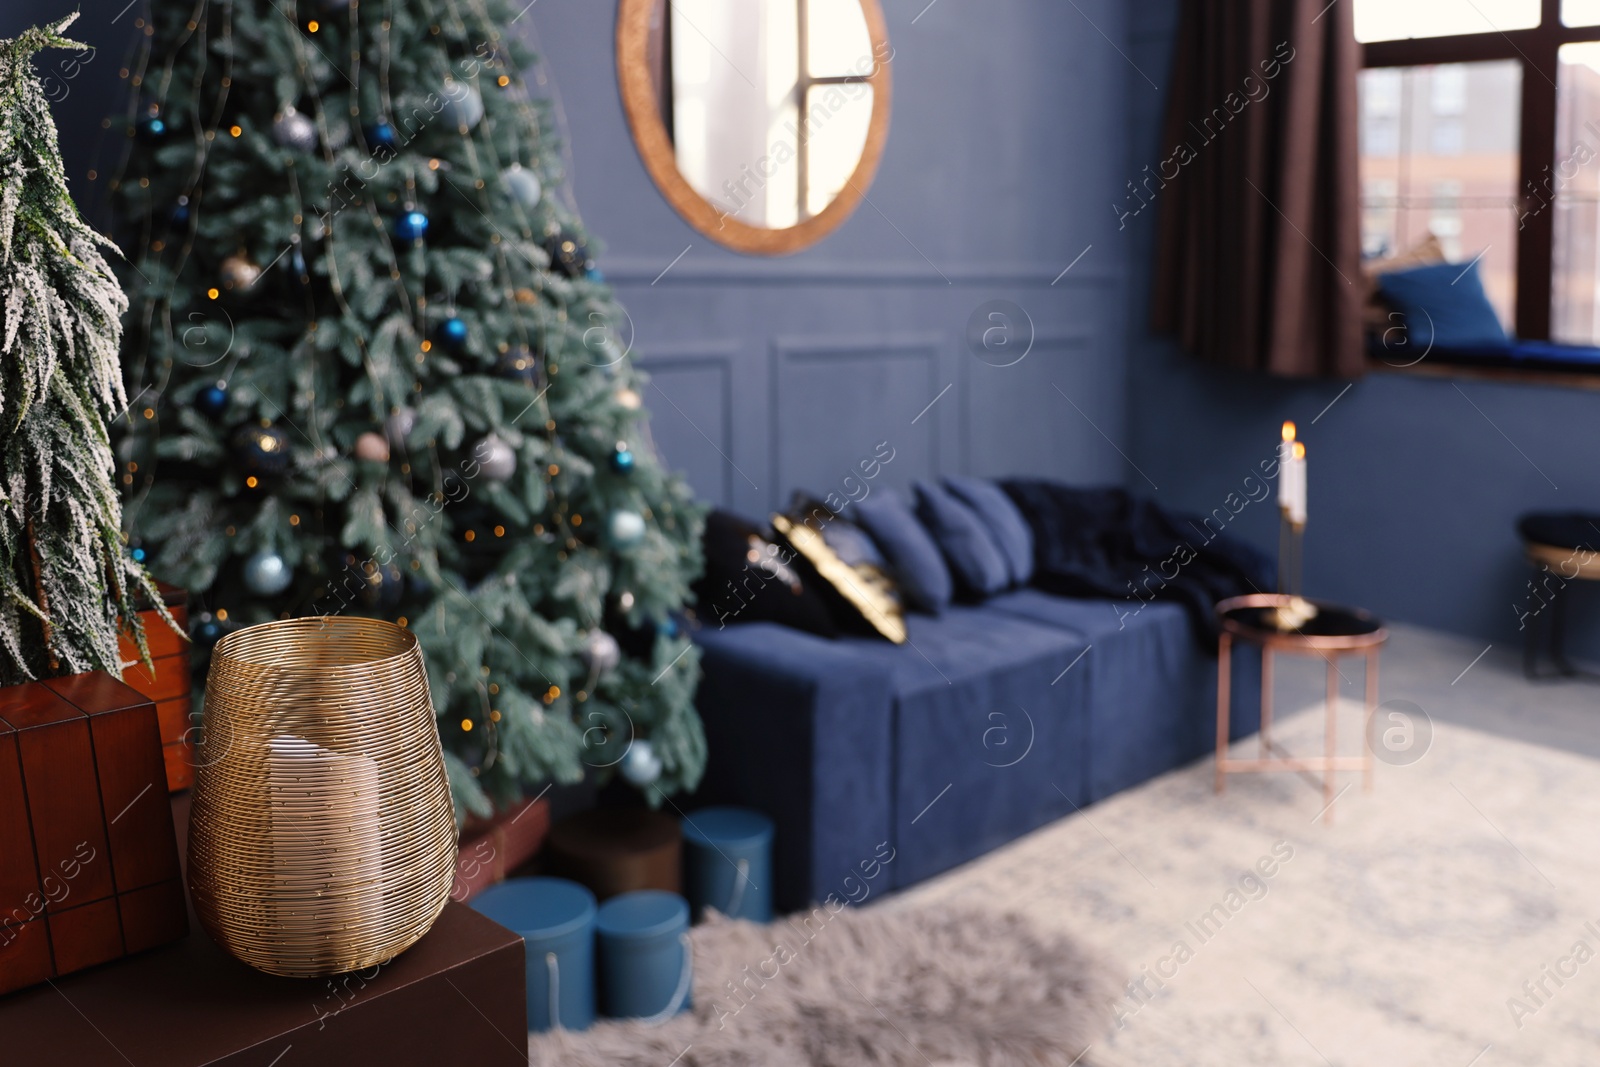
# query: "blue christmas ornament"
{"type": "Point", "coordinates": [267, 574]}
{"type": "Point", "coordinates": [622, 461]}
{"type": "Point", "coordinates": [207, 633]}
{"type": "Point", "coordinates": [412, 226]}
{"type": "Point", "coordinates": [669, 627]}
{"type": "Point", "coordinates": [179, 215]}
{"type": "Point", "coordinates": [381, 135]}
{"type": "Point", "coordinates": [595, 274]}
{"type": "Point", "coordinates": [212, 401]}
{"type": "Point", "coordinates": [153, 129]}
{"type": "Point", "coordinates": [453, 334]}
{"type": "Point", "coordinates": [137, 554]}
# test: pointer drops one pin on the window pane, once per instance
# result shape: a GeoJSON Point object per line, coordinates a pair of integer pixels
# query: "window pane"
{"type": "Point", "coordinates": [1395, 20]}
{"type": "Point", "coordinates": [1439, 156]}
{"type": "Point", "coordinates": [1580, 12]}
{"type": "Point", "coordinates": [1572, 190]}
{"type": "Point", "coordinates": [837, 42]}
{"type": "Point", "coordinates": [837, 119]}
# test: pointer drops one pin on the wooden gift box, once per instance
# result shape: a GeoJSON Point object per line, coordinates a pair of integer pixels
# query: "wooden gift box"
{"type": "Point", "coordinates": [168, 685]}
{"type": "Point", "coordinates": [88, 860]}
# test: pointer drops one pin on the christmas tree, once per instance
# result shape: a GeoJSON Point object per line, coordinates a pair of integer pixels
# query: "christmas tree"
{"type": "Point", "coordinates": [67, 587]}
{"type": "Point", "coordinates": [380, 373]}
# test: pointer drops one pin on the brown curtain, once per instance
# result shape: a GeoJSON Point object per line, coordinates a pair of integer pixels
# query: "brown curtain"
{"type": "Point", "coordinates": [1258, 259]}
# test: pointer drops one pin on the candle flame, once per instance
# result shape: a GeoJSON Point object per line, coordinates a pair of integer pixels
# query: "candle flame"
{"type": "Point", "coordinates": [1288, 431]}
{"type": "Point", "coordinates": [1299, 450]}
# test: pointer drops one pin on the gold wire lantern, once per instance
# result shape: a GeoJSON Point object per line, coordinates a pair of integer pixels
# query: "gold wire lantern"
{"type": "Point", "coordinates": [321, 838]}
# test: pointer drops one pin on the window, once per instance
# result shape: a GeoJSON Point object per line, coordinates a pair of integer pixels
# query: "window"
{"type": "Point", "coordinates": [1480, 124]}
{"type": "Point", "coordinates": [1440, 157]}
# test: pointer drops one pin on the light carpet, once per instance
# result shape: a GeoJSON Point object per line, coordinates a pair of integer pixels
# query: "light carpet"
{"type": "Point", "coordinates": [907, 988]}
{"type": "Point", "coordinates": [1400, 935]}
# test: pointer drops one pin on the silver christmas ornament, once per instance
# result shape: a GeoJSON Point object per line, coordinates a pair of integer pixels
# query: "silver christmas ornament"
{"type": "Point", "coordinates": [496, 461]}
{"type": "Point", "coordinates": [626, 528]}
{"type": "Point", "coordinates": [266, 573]}
{"type": "Point", "coordinates": [294, 130]}
{"type": "Point", "coordinates": [600, 652]}
{"type": "Point", "coordinates": [398, 426]}
{"type": "Point", "coordinates": [640, 764]}
{"type": "Point", "coordinates": [523, 185]}
{"type": "Point", "coordinates": [463, 104]}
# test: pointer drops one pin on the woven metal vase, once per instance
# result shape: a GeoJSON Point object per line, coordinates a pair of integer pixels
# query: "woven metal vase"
{"type": "Point", "coordinates": [321, 838]}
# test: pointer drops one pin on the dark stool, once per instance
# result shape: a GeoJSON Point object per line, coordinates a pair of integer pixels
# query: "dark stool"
{"type": "Point", "coordinates": [1563, 548]}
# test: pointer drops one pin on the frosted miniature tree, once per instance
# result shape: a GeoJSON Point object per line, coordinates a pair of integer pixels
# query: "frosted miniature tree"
{"type": "Point", "coordinates": [67, 585]}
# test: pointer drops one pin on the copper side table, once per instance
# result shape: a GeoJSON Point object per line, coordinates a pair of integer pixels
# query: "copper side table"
{"type": "Point", "coordinates": [1336, 631]}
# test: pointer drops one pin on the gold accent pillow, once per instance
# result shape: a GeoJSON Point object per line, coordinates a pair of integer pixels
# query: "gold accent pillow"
{"type": "Point", "coordinates": [863, 584]}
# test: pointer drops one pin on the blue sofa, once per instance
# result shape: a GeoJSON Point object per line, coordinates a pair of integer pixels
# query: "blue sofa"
{"type": "Point", "coordinates": [989, 722]}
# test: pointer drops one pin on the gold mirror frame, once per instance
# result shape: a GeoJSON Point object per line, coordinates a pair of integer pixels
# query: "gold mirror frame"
{"type": "Point", "coordinates": [660, 158]}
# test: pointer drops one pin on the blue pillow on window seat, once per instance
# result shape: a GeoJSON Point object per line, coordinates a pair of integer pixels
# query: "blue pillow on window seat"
{"type": "Point", "coordinates": [1444, 305]}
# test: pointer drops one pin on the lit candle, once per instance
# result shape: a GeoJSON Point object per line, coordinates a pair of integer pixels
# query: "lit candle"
{"type": "Point", "coordinates": [1297, 504]}
{"type": "Point", "coordinates": [1285, 461]}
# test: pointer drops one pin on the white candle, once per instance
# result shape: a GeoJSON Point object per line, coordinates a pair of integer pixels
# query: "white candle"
{"type": "Point", "coordinates": [1297, 504]}
{"type": "Point", "coordinates": [323, 812]}
{"type": "Point", "coordinates": [1285, 461]}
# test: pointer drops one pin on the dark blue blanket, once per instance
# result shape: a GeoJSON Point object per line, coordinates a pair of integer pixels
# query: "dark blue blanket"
{"type": "Point", "coordinates": [1110, 543]}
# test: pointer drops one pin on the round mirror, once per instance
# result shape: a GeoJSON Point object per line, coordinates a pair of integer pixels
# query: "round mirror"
{"type": "Point", "coordinates": [761, 121]}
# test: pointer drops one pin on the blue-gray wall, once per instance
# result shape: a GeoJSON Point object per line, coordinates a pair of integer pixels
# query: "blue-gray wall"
{"type": "Point", "coordinates": [1415, 483]}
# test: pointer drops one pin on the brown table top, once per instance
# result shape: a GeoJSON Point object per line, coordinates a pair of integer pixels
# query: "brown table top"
{"type": "Point", "coordinates": [189, 1004]}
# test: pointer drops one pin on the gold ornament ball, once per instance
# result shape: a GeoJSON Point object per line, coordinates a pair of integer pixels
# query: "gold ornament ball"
{"type": "Point", "coordinates": [629, 399]}
{"type": "Point", "coordinates": [371, 446]}
{"type": "Point", "coordinates": [238, 273]}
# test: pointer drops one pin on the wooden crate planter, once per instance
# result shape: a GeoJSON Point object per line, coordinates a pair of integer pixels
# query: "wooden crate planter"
{"type": "Point", "coordinates": [88, 859]}
{"type": "Point", "coordinates": [168, 684]}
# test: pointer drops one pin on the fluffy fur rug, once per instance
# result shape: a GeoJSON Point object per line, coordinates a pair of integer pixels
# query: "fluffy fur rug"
{"type": "Point", "coordinates": [910, 987]}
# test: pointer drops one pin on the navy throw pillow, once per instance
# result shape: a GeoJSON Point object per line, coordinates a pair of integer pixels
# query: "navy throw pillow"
{"type": "Point", "coordinates": [1006, 524]}
{"type": "Point", "coordinates": [1444, 304]}
{"type": "Point", "coordinates": [974, 558]}
{"type": "Point", "coordinates": [913, 555]}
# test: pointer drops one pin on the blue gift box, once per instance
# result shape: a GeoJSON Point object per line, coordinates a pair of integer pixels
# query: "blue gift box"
{"type": "Point", "coordinates": [645, 959]}
{"type": "Point", "coordinates": [727, 863]}
{"type": "Point", "coordinates": [556, 919]}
